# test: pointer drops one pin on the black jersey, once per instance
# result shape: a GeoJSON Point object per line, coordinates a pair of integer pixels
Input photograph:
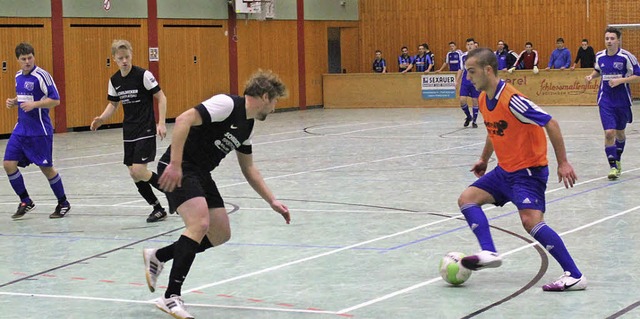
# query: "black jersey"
{"type": "Point", "coordinates": [224, 128]}
{"type": "Point", "coordinates": [135, 91]}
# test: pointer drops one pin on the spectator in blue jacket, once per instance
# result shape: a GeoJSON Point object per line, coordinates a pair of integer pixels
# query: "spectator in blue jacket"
{"type": "Point", "coordinates": [560, 57]}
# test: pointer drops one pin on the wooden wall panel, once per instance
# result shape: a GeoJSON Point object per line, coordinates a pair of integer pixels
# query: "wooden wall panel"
{"type": "Point", "coordinates": [87, 48]}
{"type": "Point", "coordinates": [269, 45]}
{"type": "Point", "coordinates": [184, 82]}
{"type": "Point", "coordinates": [315, 43]}
{"type": "Point", "coordinates": [389, 24]}
{"type": "Point", "coordinates": [627, 12]}
{"type": "Point", "coordinates": [316, 60]}
{"type": "Point", "coordinates": [36, 31]}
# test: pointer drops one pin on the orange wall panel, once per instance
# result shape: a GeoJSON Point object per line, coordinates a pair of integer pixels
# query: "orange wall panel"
{"type": "Point", "coordinates": [37, 32]}
{"type": "Point", "coordinates": [269, 45]}
{"type": "Point", "coordinates": [194, 62]}
{"type": "Point", "coordinates": [87, 48]}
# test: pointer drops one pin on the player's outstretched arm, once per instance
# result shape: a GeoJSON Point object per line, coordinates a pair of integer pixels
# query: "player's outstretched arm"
{"type": "Point", "coordinates": [108, 112]}
{"type": "Point", "coordinates": [594, 74]}
{"type": "Point", "coordinates": [253, 176]}
{"type": "Point", "coordinates": [566, 174]}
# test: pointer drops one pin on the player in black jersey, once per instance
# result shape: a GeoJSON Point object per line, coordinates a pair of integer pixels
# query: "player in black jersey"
{"type": "Point", "coordinates": [202, 137]}
{"type": "Point", "coordinates": [136, 88]}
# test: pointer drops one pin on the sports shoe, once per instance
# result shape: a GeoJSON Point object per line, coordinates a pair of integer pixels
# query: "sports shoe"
{"type": "Point", "coordinates": [613, 174]}
{"type": "Point", "coordinates": [173, 306]}
{"type": "Point", "coordinates": [474, 125]}
{"type": "Point", "coordinates": [619, 167]}
{"type": "Point", "coordinates": [483, 259]}
{"type": "Point", "coordinates": [61, 210]}
{"type": "Point", "coordinates": [157, 215]}
{"type": "Point", "coordinates": [23, 208]}
{"type": "Point", "coordinates": [566, 282]}
{"type": "Point", "coordinates": [152, 267]}
{"type": "Point", "coordinates": [467, 121]}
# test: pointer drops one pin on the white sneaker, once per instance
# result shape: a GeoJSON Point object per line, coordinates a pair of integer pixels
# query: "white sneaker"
{"type": "Point", "coordinates": [173, 306]}
{"type": "Point", "coordinates": [483, 259]}
{"type": "Point", "coordinates": [152, 267]}
{"type": "Point", "coordinates": [566, 282]}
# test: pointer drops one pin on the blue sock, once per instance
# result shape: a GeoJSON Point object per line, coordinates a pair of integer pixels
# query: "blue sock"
{"type": "Point", "coordinates": [620, 148]}
{"type": "Point", "coordinates": [17, 183]}
{"type": "Point", "coordinates": [475, 113]}
{"type": "Point", "coordinates": [58, 189]}
{"type": "Point", "coordinates": [555, 246]}
{"type": "Point", "coordinates": [612, 155]}
{"type": "Point", "coordinates": [479, 224]}
{"type": "Point", "coordinates": [465, 109]}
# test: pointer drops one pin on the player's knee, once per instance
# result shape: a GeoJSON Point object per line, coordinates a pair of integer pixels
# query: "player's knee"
{"type": "Point", "coordinates": [138, 173]}
{"type": "Point", "coordinates": [464, 199]}
{"type": "Point", "coordinates": [225, 235]}
{"type": "Point", "coordinates": [9, 167]}
{"type": "Point", "coordinates": [528, 222]}
{"type": "Point", "coordinates": [609, 134]}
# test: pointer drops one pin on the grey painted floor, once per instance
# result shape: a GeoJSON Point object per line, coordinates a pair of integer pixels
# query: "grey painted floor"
{"type": "Point", "coordinates": [373, 198]}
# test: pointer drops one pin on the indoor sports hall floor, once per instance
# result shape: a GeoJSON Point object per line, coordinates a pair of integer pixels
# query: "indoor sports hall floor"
{"type": "Point", "coordinates": [372, 194]}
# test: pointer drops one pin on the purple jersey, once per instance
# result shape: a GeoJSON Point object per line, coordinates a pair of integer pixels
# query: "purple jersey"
{"type": "Point", "coordinates": [454, 59]}
{"type": "Point", "coordinates": [620, 65]}
{"type": "Point", "coordinates": [34, 86]}
{"type": "Point", "coordinates": [463, 60]}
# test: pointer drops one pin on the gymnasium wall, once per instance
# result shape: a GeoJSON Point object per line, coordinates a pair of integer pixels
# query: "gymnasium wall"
{"type": "Point", "coordinates": [203, 30]}
{"type": "Point", "coordinates": [388, 25]}
{"type": "Point", "coordinates": [36, 31]}
{"type": "Point", "coordinates": [194, 44]}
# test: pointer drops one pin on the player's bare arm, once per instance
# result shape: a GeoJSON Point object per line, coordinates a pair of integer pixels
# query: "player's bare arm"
{"type": "Point", "coordinates": [253, 176]}
{"type": "Point", "coordinates": [108, 112]}
{"type": "Point", "coordinates": [12, 102]}
{"type": "Point", "coordinates": [480, 167]}
{"type": "Point", "coordinates": [46, 103]}
{"type": "Point", "coordinates": [161, 128]}
{"type": "Point", "coordinates": [566, 174]}
{"type": "Point", "coordinates": [632, 79]}
{"type": "Point", "coordinates": [172, 175]}
{"type": "Point", "coordinates": [593, 75]}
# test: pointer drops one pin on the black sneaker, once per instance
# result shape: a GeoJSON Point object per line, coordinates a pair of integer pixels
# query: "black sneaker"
{"type": "Point", "coordinates": [467, 121]}
{"type": "Point", "coordinates": [61, 210]}
{"type": "Point", "coordinates": [157, 215]}
{"type": "Point", "coordinates": [23, 208]}
{"type": "Point", "coordinates": [474, 125]}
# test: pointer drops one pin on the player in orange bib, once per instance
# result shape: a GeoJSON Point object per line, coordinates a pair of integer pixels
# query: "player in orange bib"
{"type": "Point", "coordinates": [515, 132]}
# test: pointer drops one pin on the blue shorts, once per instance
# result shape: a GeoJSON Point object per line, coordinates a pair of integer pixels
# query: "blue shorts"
{"type": "Point", "coordinates": [615, 118]}
{"type": "Point", "coordinates": [467, 89]}
{"type": "Point", "coordinates": [30, 149]}
{"type": "Point", "coordinates": [524, 188]}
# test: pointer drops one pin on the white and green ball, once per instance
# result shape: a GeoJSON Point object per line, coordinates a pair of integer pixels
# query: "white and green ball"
{"type": "Point", "coordinates": [452, 270]}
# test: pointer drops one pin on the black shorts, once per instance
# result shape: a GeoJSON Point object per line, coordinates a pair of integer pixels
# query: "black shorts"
{"type": "Point", "coordinates": [140, 152]}
{"type": "Point", "coordinates": [195, 183]}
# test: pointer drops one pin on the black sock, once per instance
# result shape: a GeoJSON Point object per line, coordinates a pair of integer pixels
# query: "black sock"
{"type": "Point", "coordinates": [204, 244]}
{"type": "Point", "coordinates": [153, 181]}
{"type": "Point", "coordinates": [165, 254]}
{"type": "Point", "coordinates": [184, 253]}
{"type": "Point", "coordinates": [147, 193]}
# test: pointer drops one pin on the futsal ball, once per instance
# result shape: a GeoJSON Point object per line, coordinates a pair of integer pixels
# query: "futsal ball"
{"type": "Point", "coordinates": [452, 270]}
